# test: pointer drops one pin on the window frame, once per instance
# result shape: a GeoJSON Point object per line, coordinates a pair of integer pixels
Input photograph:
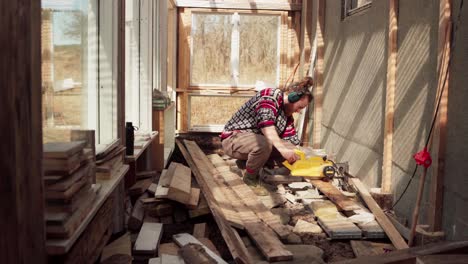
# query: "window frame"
{"type": "Point", "coordinates": [348, 9]}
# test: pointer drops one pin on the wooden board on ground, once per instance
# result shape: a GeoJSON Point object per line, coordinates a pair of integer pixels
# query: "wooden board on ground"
{"type": "Point", "coordinates": [171, 259]}
{"type": "Point", "coordinates": [121, 245]}
{"type": "Point", "coordinates": [447, 259]}
{"type": "Point", "coordinates": [409, 255]}
{"type": "Point", "coordinates": [139, 187]}
{"type": "Point", "coordinates": [166, 178]}
{"type": "Point", "coordinates": [249, 198]}
{"type": "Point", "coordinates": [327, 188]}
{"type": "Point", "coordinates": [367, 248]}
{"type": "Point", "coordinates": [339, 227]}
{"type": "Point", "coordinates": [199, 230]}
{"type": "Point", "coordinates": [194, 198]}
{"type": "Point", "coordinates": [231, 237]}
{"type": "Point", "coordinates": [148, 238]}
{"type": "Point", "coordinates": [168, 248]}
{"type": "Point", "coordinates": [184, 239]}
{"type": "Point", "coordinates": [180, 186]}
{"type": "Point", "coordinates": [161, 191]}
{"type": "Point", "coordinates": [380, 216]}
{"type": "Point", "coordinates": [62, 150]}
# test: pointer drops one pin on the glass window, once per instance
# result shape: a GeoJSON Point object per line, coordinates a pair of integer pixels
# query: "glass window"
{"type": "Point", "coordinates": [234, 49]}
{"type": "Point", "coordinates": [65, 29]}
{"type": "Point", "coordinates": [140, 61]}
{"type": "Point", "coordinates": [79, 68]}
{"type": "Point", "coordinates": [354, 6]}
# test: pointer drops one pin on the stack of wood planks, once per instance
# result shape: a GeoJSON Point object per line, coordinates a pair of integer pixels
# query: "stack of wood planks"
{"type": "Point", "coordinates": [68, 175]}
{"type": "Point", "coordinates": [110, 161]}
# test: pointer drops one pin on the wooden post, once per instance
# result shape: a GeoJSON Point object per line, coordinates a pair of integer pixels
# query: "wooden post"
{"type": "Point", "coordinates": [183, 71]}
{"type": "Point", "coordinates": [390, 97]}
{"type": "Point", "coordinates": [21, 188]}
{"type": "Point", "coordinates": [318, 90]}
{"type": "Point", "coordinates": [440, 133]}
{"type": "Point", "coordinates": [414, 222]}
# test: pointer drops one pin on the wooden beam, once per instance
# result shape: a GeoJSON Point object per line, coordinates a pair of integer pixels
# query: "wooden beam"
{"type": "Point", "coordinates": [183, 67]}
{"type": "Point", "coordinates": [439, 139]}
{"type": "Point", "coordinates": [21, 188]}
{"type": "Point", "coordinates": [390, 96]}
{"type": "Point", "coordinates": [242, 4]}
{"type": "Point", "coordinates": [318, 90]}
{"type": "Point", "coordinates": [380, 216]}
{"type": "Point", "coordinates": [231, 237]}
{"type": "Point", "coordinates": [409, 255]}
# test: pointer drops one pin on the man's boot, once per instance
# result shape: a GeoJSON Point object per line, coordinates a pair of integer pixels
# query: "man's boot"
{"type": "Point", "coordinates": [252, 180]}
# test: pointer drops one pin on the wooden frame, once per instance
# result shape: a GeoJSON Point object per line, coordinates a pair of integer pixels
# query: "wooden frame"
{"type": "Point", "coordinates": [348, 10]}
{"type": "Point", "coordinates": [439, 138]}
{"type": "Point", "coordinates": [289, 54]}
{"type": "Point", "coordinates": [21, 195]}
{"type": "Point", "coordinates": [318, 90]}
{"type": "Point", "coordinates": [243, 4]}
{"type": "Point", "coordinates": [390, 97]}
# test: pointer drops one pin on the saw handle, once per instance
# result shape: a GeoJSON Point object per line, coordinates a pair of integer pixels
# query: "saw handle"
{"type": "Point", "coordinates": [298, 152]}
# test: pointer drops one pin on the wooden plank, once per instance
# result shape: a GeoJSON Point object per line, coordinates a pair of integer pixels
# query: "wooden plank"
{"type": "Point", "coordinates": [248, 197]}
{"type": "Point", "coordinates": [138, 213]}
{"type": "Point", "coordinates": [205, 241]}
{"type": "Point", "coordinates": [243, 4]}
{"type": "Point", "coordinates": [343, 202]}
{"type": "Point", "coordinates": [171, 259]}
{"type": "Point", "coordinates": [319, 68]}
{"type": "Point", "coordinates": [390, 96]}
{"type": "Point", "coordinates": [199, 230]}
{"type": "Point", "coordinates": [168, 248]}
{"type": "Point", "coordinates": [367, 248]}
{"type": "Point", "coordinates": [152, 188]}
{"type": "Point", "coordinates": [148, 239]}
{"type": "Point", "coordinates": [195, 254]}
{"type": "Point", "coordinates": [409, 255]}
{"type": "Point", "coordinates": [70, 192]}
{"type": "Point", "coordinates": [436, 196]}
{"type": "Point", "coordinates": [62, 150]}
{"type": "Point", "coordinates": [67, 182]}
{"type": "Point", "coordinates": [447, 259]}
{"type": "Point", "coordinates": [62, 246]}
{"type": "Point", "coordinates": [380, 216]}
{"type": "Point", "coordinates": [121, 245]}
{"type": "Point", "coordinates": [212, 194]}
{"type": "Point", "coordinates": [339, 227]}
{"type": "Point", "coordinates": [183, 239]}
{"type": "Point", "coordinates": [166, 175]}
{"type": "Point", "coordinates": [161, 191]}
{"type": "Point", "coordinates": [180, 186]}
{"type": "Point", "coordinates": [194, 198]}
{"type": "Point", "coordinates": [139, 187]}
{"type": "Point", "coordinates": [69, 226]}
{"type": "Point", "coordinates": [231, 237]}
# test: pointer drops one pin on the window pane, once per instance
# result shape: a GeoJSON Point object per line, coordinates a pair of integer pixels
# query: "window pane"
{"type": "Point", "coordinates": [64, 67]}
{"type": "Point", "coordinates": [259, 59]}
{"type": "Point", "coordinates": [201, 109]}
{"type": "Point", "coordinates": [211, 49]}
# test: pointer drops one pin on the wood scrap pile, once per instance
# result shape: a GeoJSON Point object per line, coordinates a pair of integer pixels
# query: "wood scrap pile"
{"type": "Point", "coordinates": [68, 175]}
{"type": "Point", "coordinates": [110, 161]}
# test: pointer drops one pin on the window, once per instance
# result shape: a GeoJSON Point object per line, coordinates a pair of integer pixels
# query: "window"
{"type": "Point", "coordinates": [79, 68]}
{"type": "Point", "coordinates": [234, 49]}
{"type": "Point", "coordinates": [351, 7]}
{"type": "Point", "coordinates": [143, 60]}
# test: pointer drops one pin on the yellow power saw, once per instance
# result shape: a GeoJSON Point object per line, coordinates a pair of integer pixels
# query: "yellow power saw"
{"type": "Point", "coordinates": [318, 167]}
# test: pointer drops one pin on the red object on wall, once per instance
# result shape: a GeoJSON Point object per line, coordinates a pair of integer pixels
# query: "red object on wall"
{"type": "Point", "coordinates": [423, 158]}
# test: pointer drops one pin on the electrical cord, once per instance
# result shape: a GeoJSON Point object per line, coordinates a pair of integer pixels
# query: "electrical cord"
{"type": "Point", "coordinates": [452, 46]}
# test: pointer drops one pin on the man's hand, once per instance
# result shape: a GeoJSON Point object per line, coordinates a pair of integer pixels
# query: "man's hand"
{"type": "Point", "coordinates": [289, 155]}
{"type": "Point", "coordinates": [285, 149]}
